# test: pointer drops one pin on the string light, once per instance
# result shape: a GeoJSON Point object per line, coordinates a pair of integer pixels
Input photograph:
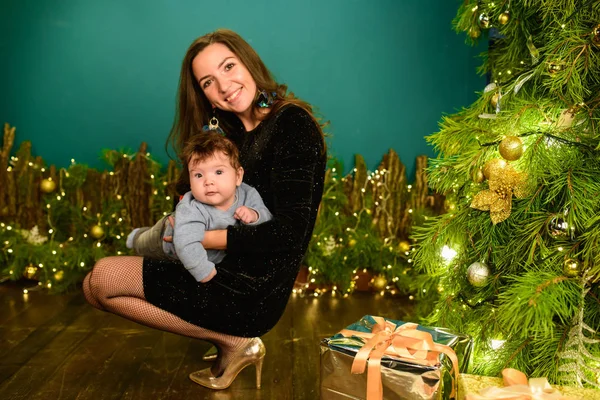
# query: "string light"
{"type": "Point", "coordinates": [448, 254]}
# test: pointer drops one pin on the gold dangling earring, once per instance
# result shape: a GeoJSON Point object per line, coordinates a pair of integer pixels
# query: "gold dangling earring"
{"type": "Point", "coordinates": [213, 124]}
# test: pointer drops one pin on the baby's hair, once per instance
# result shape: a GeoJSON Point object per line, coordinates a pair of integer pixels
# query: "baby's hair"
{"type": "Point", "coordinates": [204, 145]}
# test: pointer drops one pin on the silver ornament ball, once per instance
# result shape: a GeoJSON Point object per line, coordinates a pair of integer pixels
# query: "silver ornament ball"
{"type": "Point", "coordinates": [558, 227]}
{"type": "Point", "coordinates": [484, 21]}
{"type": "Point", "coordinates": [478, 274]}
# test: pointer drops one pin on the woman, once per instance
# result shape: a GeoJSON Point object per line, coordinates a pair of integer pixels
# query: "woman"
{"type": "Point", "coordinates": [282, 150]}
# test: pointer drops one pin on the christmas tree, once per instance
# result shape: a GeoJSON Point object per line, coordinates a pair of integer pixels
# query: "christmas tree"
{"type": "Point", "coordinates": [515, 260]}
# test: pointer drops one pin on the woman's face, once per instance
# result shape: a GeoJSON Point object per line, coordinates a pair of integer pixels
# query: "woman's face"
{"type": "Point", "coordinates": [226, 82]}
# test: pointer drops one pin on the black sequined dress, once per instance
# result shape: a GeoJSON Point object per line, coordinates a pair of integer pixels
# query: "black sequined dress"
{"type": "Point", "coordinates": [284, 159]}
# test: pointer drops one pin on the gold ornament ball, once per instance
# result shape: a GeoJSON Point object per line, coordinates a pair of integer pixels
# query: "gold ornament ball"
{"type": "Point", "coordinates": [352, 242]}
{"type": "Point", "coordinates": [511, 148]}
{"type": "Point", "coordinates": [474, 32]}
{"type": "Point", "coordinates": [571, 268]}
{"type": "Point", "coordinates": [449, 205]}
{"type": "Point", "coordinates": [504, 17]}
{"type": "Point", "coordinates": [97, 232]}
{"type": "Point", "coordinates": [404, 246]}
{"type": "Point", "coordinates": [47, 185]}
{"type": "Point", "coordinates": [379, 282]}
{"type": "Point", "coordinates": [478, 274]}
{"type": "Point", "coordinates": [494, 167]}
{"type": "Point", "coordinates": [59, 275]}
{"type": "Point", "coordinates": [495, 99]}
{"type": "Point", "coordinates": [478, 176]}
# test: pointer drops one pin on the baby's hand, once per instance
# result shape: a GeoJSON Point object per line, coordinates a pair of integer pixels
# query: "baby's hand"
{"type": "Point", "coordinates": [246, 215]}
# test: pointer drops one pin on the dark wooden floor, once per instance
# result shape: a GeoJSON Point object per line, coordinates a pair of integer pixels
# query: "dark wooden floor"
{"type": "Point", "coordinates": [58, 347]}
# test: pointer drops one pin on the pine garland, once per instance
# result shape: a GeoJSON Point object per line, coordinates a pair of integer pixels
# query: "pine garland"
{"type": "Point", "coordinates": [363, 226]}
{"type": "Point", "coordinates": [55, 224]}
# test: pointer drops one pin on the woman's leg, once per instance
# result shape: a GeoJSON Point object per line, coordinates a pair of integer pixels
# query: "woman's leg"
{"type": "Point", "coordinates": [87, 292]}
{"type": "Point", "coordinates": [116, 285]}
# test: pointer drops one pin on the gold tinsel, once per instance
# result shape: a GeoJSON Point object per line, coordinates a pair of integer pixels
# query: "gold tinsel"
{"type": "Point", "coordinates": [498, 198]}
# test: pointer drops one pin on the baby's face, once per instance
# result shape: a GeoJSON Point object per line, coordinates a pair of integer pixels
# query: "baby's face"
{"type": "Point", "coordinates": [214, 180]}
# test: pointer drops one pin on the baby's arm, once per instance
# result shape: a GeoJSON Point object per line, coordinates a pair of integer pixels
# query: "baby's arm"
{"type": "Point", "coordinates": [190, 225]}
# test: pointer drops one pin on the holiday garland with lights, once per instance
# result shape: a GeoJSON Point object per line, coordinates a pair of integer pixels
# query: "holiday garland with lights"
{"type": "Point", "coordinates": [516, 261]}
{"type": "Point", "coordinates": [360, 240]}
{"type": "Point", "coordinates": [54, 224]}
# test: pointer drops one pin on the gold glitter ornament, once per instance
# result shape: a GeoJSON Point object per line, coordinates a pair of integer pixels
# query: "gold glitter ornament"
{"type": "Point", "coordinates": [47, 185]}
{"type": "Point", "coordinates": [504, 17]}
{"type": "Point", "coordinates": [404, 245]}
{"type": "Point", "coordinates": [474, 32]}
{"type": "Point", "coordinates": [59, 275]}
{"type": "Point", "coordinates": [97, 232]}
{"type": "Point", "coordinates": [511, 148]}
{"type": "Point", "coordinates": [478, 274]}
{"type": "Point", "coordinates": [379, 282]}
{"type": "Point", "coordinates": [571, 268]}
{"type": "Point", "coordinates": [495, 166]}
{"type": "Point", "coordinates": [352, 242]}
{"type": "Point", "coordinates": [596, 35]}
{"type": "Point", "coordinates": [503, 183]}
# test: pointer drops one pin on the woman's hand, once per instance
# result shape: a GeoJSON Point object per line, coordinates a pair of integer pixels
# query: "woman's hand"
{"type": "Point", "coordinates": [172, 222]}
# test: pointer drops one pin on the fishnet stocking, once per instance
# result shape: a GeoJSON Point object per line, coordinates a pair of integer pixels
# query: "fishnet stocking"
{"type": "Point", "coordinates": [115, 285]}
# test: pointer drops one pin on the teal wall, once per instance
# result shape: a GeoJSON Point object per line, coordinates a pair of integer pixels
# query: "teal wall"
{"type": "Point", "coordinates": [79, 76]}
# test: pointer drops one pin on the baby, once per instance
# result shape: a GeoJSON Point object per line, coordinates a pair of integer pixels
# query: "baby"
{"type": "Point", "coordinates": [217, 198]}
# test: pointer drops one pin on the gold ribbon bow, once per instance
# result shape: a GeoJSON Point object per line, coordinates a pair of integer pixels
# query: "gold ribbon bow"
{"type": "Point", "coordinates": [405, 342]}
{"type": "Point", "coordinates": [517, 387]}
{"type": "Point", "coordinates": [497, 199]}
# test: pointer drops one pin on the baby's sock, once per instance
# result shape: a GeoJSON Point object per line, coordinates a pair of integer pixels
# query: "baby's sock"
{"type": "Point", "coordinates": [130, 237]}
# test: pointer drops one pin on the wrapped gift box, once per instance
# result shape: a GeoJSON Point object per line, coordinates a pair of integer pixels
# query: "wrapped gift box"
{"type": "Point", "coordinates": [474, 384]}
{"type": "Point", "coordinates": [401, 378]}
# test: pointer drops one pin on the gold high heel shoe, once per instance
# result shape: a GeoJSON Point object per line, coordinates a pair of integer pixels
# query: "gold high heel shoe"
{"type": "Point", "coordinates": [253, 353]}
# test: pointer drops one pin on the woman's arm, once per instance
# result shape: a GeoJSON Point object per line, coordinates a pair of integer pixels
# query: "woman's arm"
{"type": "Point", "coordinates": [216, 240]}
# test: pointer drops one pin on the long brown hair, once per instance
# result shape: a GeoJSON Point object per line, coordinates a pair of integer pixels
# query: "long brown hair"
{"type": "Point", "coordinates": [193, 108]}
